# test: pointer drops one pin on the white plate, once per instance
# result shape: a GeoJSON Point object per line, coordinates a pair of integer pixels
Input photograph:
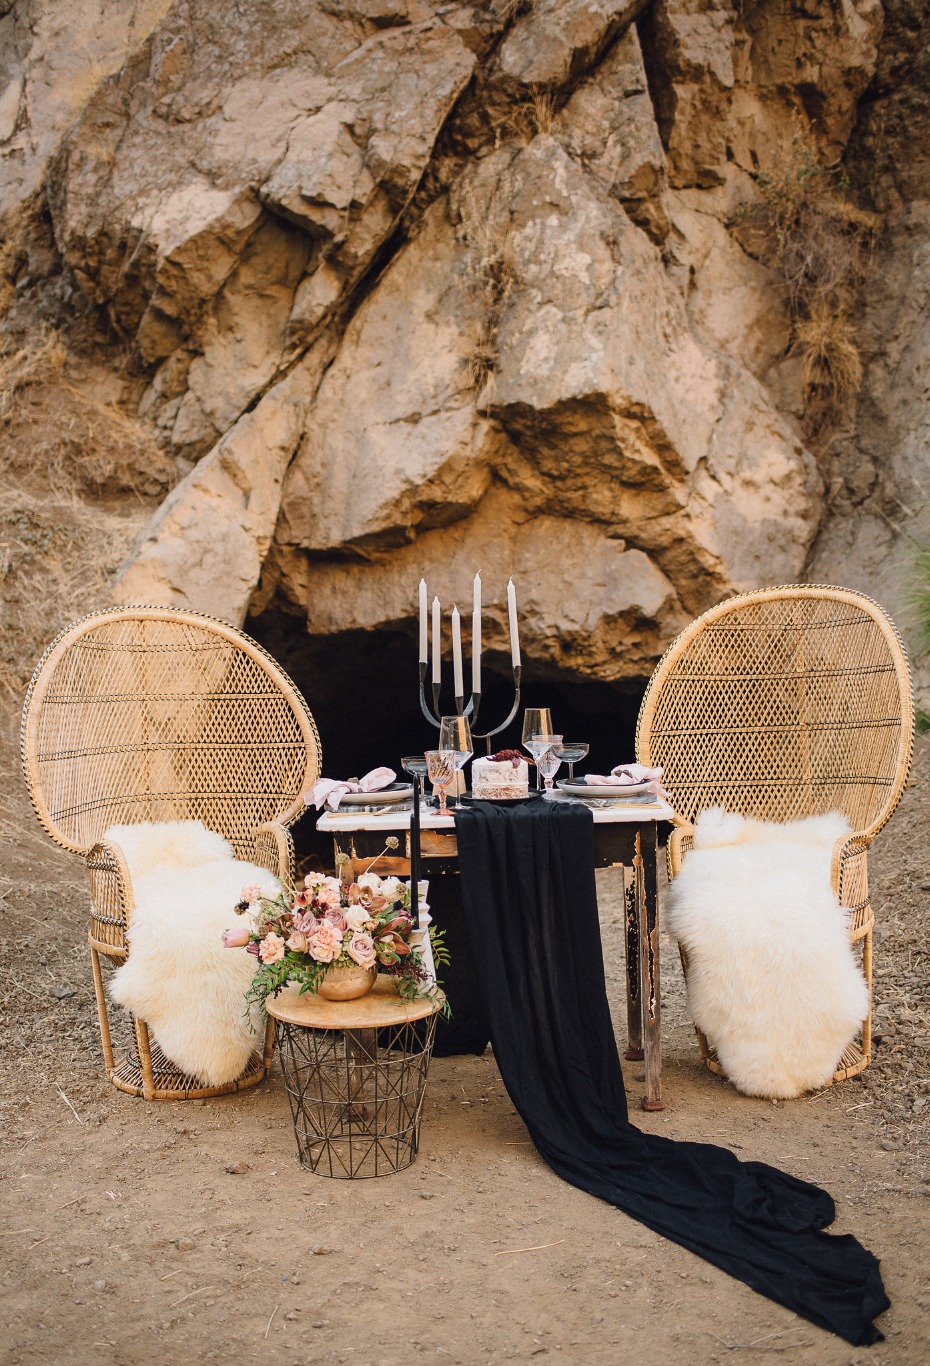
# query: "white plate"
{"type": "Point", "coordinates": [579, 788]}
{"type": "Point", "coordinates": [397, 792]}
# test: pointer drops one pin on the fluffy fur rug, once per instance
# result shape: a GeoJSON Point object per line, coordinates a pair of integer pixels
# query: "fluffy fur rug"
{"type": "Point", "coordinates": [772, 978]}
{"type": "Point", "coordinates": [178, 977]}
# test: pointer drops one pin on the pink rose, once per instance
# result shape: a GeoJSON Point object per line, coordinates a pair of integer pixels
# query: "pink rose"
{"type": "Point", "coordinates": [271, 949]}
{"type": "Point", "coordinates": [314, 880]}
{"type": "Point", "coordinates": [306, 922]}
{"type": "Point", "coordinates": [237, 938]}
{"type": "Point", "coordinates": [328, 897]}
{"type": "Point", "coordinates": [361, 947]}
{"type": "Point", "coordinates": [336, 919]}
{"type": "Point", "coordinates": [326, 944]}
{"type": "Point", "coordinates": [299, 942]}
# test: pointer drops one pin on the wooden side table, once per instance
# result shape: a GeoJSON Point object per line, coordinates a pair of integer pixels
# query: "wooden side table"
{"type": "Point", "coordinates": [355, 1073]}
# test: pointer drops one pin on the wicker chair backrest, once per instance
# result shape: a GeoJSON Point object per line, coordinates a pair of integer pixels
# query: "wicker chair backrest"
{"type": "Point", "coordinates": [783, 703]}
{"type": "Point", "coordinates": [158, 714]}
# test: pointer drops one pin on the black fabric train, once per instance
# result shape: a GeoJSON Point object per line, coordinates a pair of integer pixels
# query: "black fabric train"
{"type": "Point", "coordinates": [529, 900]}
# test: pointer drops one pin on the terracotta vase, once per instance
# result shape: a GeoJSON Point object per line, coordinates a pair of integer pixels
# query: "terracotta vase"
{"type": "Point", "coordinates": [347, 983]}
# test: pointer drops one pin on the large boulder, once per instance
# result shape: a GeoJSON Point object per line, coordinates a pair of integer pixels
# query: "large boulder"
{"type": "Point", "coordinates": [226, 189]}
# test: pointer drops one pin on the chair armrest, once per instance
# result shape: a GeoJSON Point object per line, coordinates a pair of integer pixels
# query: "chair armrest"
{"type": "Point", "coordinates": [111, 898]}
{"type": "Point", "coordinates": [274, 850]}
{"type": "Point", "coordinates": [849, 878]}
{"type": "Point", "coordinates": [680, 842]}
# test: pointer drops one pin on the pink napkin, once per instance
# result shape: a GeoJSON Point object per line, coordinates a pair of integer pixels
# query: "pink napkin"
{"type": "Point", "coordinates": [330, 791]}
{"type": "Point", "coordinates": [629, 775]}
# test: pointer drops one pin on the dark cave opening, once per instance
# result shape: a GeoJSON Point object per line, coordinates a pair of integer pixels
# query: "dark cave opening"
{"type": "Point", "coordinates": [361, 688]}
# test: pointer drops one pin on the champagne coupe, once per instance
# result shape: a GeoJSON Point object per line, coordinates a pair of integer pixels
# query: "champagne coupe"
{"type": "Point", "coordinates": [547, 761]}
{"type": "Point", "coordinates": [455, 734]}
{"type": "Point", "coordinates": [536, 721]}
{"type": "Point", "coordinates": [440, 767]}
{"type": "Point", "coordinates": [415, 765]}
{"type": "Point", "coordinates": [571, 751]}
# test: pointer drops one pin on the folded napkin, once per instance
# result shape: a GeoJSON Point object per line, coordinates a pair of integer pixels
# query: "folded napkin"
{"type": "Point", "coordinates": [629, 775]}
{"type": "Point", "coordinates": [330, 791]}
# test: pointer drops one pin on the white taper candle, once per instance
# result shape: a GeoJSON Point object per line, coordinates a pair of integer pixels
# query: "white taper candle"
{"type": "Point", "coordinates": [514, 629]}
{"type": "Point", "coordinates": [457, 680]}
{"type": "Point", "coordinates": [437, 644]}
{"type": "Point", "coordinates": [476, 637]}
{"type": "Point", "coordinates": [423, 622]}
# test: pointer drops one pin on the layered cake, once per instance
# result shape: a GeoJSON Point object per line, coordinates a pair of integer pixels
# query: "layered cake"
{"type": "Point", "coordinates": [502, 775]}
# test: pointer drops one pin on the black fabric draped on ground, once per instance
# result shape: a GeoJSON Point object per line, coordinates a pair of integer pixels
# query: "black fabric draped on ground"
{"type": "Point", "coordinates": [529, 899]}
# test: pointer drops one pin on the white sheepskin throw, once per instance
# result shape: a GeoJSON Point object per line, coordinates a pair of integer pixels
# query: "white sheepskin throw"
{"type": "Point", "coordinates": [178, 977]}
{"type": "Point", "coordinates": [772, 978]}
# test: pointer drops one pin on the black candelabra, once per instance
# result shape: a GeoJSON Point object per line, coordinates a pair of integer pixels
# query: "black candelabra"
{"type": "Point", "coordinates": [469, 709]}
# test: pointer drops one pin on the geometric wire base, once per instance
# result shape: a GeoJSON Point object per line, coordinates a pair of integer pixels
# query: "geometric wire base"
{"type": "Point", "coordinates": [356, 1095]}
{"type": "Point", "coordinates": [173, 1084]}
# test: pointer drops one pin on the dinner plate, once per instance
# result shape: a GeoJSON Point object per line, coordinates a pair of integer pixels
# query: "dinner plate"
{"type": "Point", "coordinates": [579, 788]}
{"type": "Point", "coordinates": [397, 792]}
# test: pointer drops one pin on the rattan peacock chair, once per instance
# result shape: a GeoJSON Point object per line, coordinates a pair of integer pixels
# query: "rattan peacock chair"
{"type": "Point", "coordinates": [158, 714]}
{"type": "Point", "coordinates": [779, 704]}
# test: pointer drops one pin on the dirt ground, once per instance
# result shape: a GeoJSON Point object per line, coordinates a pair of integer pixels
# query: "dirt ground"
{"type": "Point", "coordinates": [125, 1239]}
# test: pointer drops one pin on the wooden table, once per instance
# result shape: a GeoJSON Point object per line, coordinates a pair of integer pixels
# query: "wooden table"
{"type": "Point", "coordinates": [624, 835]}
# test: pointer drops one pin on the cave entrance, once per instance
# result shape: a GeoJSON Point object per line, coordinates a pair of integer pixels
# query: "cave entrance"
{"type": "Point", "coordinates": [361, 687]}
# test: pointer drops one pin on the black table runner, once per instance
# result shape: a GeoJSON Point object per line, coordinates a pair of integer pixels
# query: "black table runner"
{"type": "Point", "coordinates": [530, 906]}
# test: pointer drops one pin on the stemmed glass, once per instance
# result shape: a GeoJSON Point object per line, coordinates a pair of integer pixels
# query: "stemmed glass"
{"type": "Point", "coordinates": [536, 721]}
{"type": "Point", "coordinates": [415, 765]}
{"type": "Point", "coordinates": [547, 760]}
{"type": "Point", "coordinates": [455, 734]}
{"type": "Point", "coordinates": [440, 768]}
{"type": "Point", "coordinates": [571, 751]}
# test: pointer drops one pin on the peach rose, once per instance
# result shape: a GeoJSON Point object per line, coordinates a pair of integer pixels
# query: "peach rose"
{"type": "Point", "coordinates": [299, 942]}
{"type": "Point", "coordinates": [271, 949]}
{"type": "Point", "coordinates": [328, 897]}
{"type": "Point", "coordinates": [326, 944]}
{"type": "Point", "coordinates": [361, 947]}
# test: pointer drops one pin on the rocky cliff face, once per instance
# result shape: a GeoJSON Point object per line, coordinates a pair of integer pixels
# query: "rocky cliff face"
{"type": "Point", "coordinates": [407, 288]}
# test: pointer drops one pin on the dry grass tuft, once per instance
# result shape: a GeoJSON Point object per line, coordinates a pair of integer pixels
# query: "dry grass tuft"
{"type": "Point", "coordinates": [523, 121]}
{"type": "Point", "coordinates": [822, 244]}
{"type": "Point", "coordinates": [51, 430]}
{"type": "Point", "coordinates": [59, 547]}
{"type": "Point", "coordinates": [491, 273]}
{"type": "Point", "coordinates": [826, 341]}
{"type": "Point", "coordinates": [58, 556]}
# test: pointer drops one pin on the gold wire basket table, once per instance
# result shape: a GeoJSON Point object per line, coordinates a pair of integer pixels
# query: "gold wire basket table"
{"type": "Point", "coordinates": [355, 1075]}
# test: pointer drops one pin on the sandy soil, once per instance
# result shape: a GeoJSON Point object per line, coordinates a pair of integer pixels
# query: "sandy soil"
{"type": "Point", "coordinates": [125, 1239]}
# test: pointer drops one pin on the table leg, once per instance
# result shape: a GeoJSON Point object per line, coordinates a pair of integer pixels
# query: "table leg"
{"type": "Point", "coordinates": [645, 862]}
{"type": "Point", "coordinates": [634, 1004]}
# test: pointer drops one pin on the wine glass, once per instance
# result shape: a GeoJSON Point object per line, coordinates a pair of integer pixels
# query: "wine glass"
{"type": "Point", "coordinates": [571, 751]}
{"type": "Point", "coordinates": [455, 734]}
{"type": "Point", "coordinates": [536, 721]}
{"type": "Point", "coordinates": [547, 761]}
{"type": "Point", "coordinates": [440, 767]}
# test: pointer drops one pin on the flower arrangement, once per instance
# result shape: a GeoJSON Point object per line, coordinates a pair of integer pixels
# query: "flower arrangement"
{"type": "Point", "coordinates": [335, 922]}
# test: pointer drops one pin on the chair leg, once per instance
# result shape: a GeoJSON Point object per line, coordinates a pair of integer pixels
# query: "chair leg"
{"type": "Point", "coordinates": [103, 1018]}
{"type": "Point", "coordinates": [867, 1022]}
{"type": "Point", "coordinates": [269, 1045]}
{"type": "Point", "coordinates": [145, 1058]}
